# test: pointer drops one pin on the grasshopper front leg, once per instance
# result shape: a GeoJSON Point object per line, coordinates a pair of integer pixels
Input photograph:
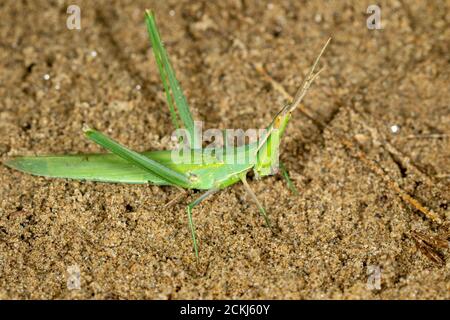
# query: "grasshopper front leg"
{"type": "Point", "coordinates": [285, 175]}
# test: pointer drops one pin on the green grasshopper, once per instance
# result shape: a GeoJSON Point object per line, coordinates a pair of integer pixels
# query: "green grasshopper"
{"type": "Point", "coordinates": [212, 173]}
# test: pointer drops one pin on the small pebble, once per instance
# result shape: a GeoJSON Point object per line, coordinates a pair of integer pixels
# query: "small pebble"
{"type": "Point", "coordinates": [318, 18]}
{"type": "Point", "coordinates": [361, 138]}
{"type": "Point", "coordinates": [171, 13]}
{"type": "Point", "coordinates": [395, 128]}
{"type": "Point", "coordinates": [138, 87]}
{"type": "Point", "coordinates": [46, 77]}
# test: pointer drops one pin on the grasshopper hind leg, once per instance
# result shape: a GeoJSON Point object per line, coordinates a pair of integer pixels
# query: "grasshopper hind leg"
{"type": "Point", "coordinates": [191, 222]}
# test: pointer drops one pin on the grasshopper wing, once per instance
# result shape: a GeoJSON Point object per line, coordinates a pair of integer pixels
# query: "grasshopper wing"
{"type": "Point", "coordinates": [95, 167]}
{"type": "Point", "coordinates": [174, 94]}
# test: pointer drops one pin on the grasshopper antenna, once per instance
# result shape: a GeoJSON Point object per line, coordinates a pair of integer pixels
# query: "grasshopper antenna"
{"type": "Point", "coordinates": [307, 82]}
{"type": "Point", "coordinates": [299, 95]}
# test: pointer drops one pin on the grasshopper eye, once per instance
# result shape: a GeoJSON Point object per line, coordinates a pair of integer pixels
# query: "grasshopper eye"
{"type": "Point", "coordinates": [277, 122]}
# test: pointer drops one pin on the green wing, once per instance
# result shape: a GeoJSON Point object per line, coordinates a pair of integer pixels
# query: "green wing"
{"type": "Point", "coordinates": [174, 93]}
{"type": "Point", "coordinates": [95, 167]}
{"type": "Point", "coordinates": [103, 167]}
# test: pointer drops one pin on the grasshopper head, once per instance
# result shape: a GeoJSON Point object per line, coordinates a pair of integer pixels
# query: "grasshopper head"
{"type": "Point", "coordinates": [268, 149]}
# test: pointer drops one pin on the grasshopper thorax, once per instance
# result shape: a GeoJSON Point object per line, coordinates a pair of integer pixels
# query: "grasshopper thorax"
{"type": "Point", "coordinates": [267, 160]}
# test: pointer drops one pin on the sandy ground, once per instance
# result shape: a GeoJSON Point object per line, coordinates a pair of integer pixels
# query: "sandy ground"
{"type": "Point", "coordinates": [346, 221]}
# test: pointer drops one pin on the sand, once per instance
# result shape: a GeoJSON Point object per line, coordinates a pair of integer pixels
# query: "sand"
{"type": "Point", "coordinates": [347, 235]}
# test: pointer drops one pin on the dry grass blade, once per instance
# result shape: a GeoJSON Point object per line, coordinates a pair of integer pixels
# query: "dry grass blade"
{"type": "Point", "coordinates": [428, 244]}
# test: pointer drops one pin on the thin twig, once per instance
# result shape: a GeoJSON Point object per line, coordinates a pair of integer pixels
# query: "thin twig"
{"type": "Point", "coordinates": [426, 136]}
{"type": "Point", "coordinates": [182, 193]}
